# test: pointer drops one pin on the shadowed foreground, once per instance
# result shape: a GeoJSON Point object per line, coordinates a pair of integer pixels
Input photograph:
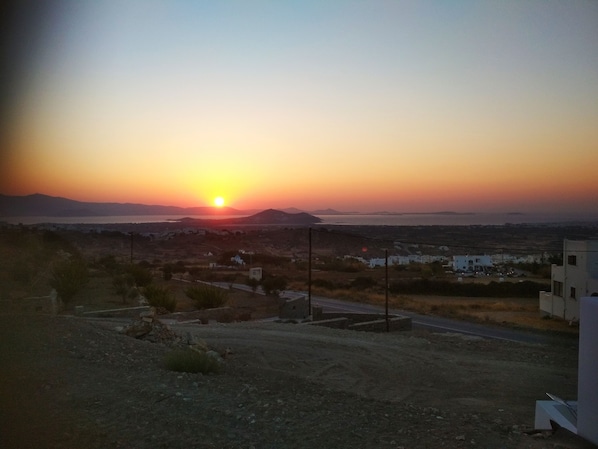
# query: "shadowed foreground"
{"type": "Point", "coordinates": [68, 382]}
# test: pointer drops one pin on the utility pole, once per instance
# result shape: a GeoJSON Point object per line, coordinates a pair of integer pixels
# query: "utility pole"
{"type": "Point", "coordinates": [309, 275]}
{"type": "Point", "coordinates": [131, 248]}
{"type": "Point", "coordinates": [564, 293]}
{"type": "Point", "coordinates": [386, 288]}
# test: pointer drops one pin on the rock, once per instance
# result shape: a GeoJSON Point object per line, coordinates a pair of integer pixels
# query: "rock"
{"type": "Point", "coordinates": [195, 342]}
{"type": "Point", "coordinates": [138, 329]}
{"type": "Point", "coordinates": [215, 356]}
{"type": "Point", "coordinates": [151, 313]}
{"type": "Point", "coordinates": [150, 329]}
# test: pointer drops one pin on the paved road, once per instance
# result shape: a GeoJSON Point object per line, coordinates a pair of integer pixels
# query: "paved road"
{"type": "Point", "coordinates": [429, 322]}
{"type": "Point", "coordinates": [440, 324]}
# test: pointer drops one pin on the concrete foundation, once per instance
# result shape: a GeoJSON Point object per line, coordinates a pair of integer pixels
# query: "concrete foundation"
{"type": "Point", "coordinates": [335, 323]}
{"type": "Point", "coordinates": [369, 322]}
{"type": "Point", "coordinates": [294, 309]}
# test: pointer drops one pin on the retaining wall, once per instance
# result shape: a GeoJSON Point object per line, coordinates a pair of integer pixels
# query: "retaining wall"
{"type": "Point", "coordinates": [370, 322]}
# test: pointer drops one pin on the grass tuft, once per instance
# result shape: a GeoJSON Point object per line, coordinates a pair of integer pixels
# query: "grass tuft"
{"type": "Point", "coordinates": [189, 361]}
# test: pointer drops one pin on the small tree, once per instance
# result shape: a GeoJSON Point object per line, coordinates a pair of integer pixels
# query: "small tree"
{"type": "Point", "coordinates": [141, 276]}
{"type": "Point", "coordinates": [110, 264]}
{"type": "Point", "coordinates": [230, 280]}
{"type": "Point", "coordinates": [363, 283]}
{"type": "Point", "coordinates": [253, 283]}
{"type": "Point", "coordinates": [122, 284]}
{"type": "Point", "coordinates": [68, 277]}
{"type": "Point", "coordinates": [273, 285]}
{"type": "Point", "coordinates": [207, 297]}
{"type": "Point", "coordinates": [167, 271]}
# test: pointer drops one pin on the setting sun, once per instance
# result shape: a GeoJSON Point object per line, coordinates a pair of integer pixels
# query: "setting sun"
{"type": "Point", "coordinates": [242, 125]}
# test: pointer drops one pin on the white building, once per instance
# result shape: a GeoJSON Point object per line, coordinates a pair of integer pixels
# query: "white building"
{"type": "Point", "coordinates": [501, 259]}
{"type": "Point", "coordinates": [256, 273]}
{"type": "Point", "coordinates": [237, 260]}
{"type": "Point", "coordinates": [472, 263]}
{"type": "Point", "coordinates": [577, 277]}
{"type": "Point", "coordinates": [405, 260]}
{"type": "Point", "coordinates": [392, 260]}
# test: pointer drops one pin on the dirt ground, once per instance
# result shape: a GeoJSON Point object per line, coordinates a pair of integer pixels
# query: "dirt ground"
{"type": "Point", "coordinates": [72, 382]}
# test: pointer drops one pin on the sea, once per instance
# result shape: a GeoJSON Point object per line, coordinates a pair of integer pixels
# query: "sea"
{"type": "Point", "coordinates": [419, 219]}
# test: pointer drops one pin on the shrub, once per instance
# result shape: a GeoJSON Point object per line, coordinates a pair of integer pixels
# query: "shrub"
{"type": "Point", "coordinates": [363, 283]}
{"type": "Point", "coordinates": [207, 297]}
{"type": "Point", "coordinates": [141, 275]}
{"type": "Point", "coordinates": [268, 259]}
{"type": "Point", "coordinates": [179, 267]}
{"type": "Point", "coordinates": [68, 277]}
{"type": "Point", "coordinates": [122, 284]}
{"type": "Point", "coordinates": [160, 297]}
{"type": "Point", "coordinates": [189, 361]}
{"type": "Point", "coordinates": [324, 283]}
{"type": "Point", "coordinates": [109, 263]}
{"type": "Point", "coordinates": [273, 285]}
{"type": "Point", "coordinates": [167, 272]}
{"type": "Point", "coordinates": [525, 289]}
{"type": "Point", "coordinates": [253, 283]}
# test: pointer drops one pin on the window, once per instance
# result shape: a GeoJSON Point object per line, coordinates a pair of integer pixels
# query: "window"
{"type": "Point", "coordinates": [573, 292]}
{"type": "Point", "coordinates": [572, 260]}
{"type": "Point", "coordinates": [557, 288]}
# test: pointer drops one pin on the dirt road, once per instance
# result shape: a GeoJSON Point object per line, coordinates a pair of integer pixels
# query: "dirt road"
{"type": "Point", "coordinates": [75, 383]}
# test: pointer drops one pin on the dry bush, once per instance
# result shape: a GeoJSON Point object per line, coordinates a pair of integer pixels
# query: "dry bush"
{"type": "Point", "coordinates": [189, 361]}
{"type": "Point", "coordinates": [207, 297]}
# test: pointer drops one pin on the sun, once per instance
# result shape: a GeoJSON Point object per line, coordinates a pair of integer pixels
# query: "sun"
{"type": "Point", "coordinates": [219, 201]}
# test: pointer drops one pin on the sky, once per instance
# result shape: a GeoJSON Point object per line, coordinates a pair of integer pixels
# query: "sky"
{"type": "Point", "coordinates": [404, 106]}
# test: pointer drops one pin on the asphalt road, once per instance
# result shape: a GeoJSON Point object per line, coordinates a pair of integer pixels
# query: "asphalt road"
{"type": "Point", "coordinates": [440, 324]}
{"type": "Point", "coordinates": [428, 322]}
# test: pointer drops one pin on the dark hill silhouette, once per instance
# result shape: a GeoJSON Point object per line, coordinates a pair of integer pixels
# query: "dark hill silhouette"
{"type": "Point", "coordinates": [267, 217]}
{"type": "Point", "coordinates": [272, 216]}
{"type": "Point", "coordinates": [38, 205]}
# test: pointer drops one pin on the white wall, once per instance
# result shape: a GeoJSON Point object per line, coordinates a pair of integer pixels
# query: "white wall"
{"type": "Point", "coordinates": [587, 380]}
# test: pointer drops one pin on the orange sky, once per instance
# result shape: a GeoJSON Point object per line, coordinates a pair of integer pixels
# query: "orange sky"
{"type": "Point", "coordinates": [406, 107]}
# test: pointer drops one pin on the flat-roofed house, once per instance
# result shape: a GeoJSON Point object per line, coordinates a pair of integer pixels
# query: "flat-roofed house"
{"type": "Point", "coordinates": [472, 264]}
{"type": "Point", "coordinates": [577, 277]}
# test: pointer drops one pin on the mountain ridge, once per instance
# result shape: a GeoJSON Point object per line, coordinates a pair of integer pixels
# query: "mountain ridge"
{"type": "Point", "coordinates": [41, 205]}
{"type": "Point", "coordinates": [38, 205]}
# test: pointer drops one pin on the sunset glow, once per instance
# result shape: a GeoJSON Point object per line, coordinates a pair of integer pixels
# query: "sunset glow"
{"type": "Point", "coordinates": [356, 106]}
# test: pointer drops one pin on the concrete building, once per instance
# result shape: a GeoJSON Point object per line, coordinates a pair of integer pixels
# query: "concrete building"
{"type": "Point", "coordinates": [256, 273]}
{"type": "Point", "coordinates": [577, 277]}
{"type": "Point", "coordinates": [472, 264]}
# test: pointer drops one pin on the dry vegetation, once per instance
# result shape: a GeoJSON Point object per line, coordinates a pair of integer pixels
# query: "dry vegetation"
{"type": "Point", "coordinates": [71, 382]}
{"type": "Point", "coordinates": [28, 256]}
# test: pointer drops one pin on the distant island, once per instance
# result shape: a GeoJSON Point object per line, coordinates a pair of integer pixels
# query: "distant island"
{"type": "Point", "coordinates": [422, 213]}
{"type": "Point", "coordinates": [267, 217]}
